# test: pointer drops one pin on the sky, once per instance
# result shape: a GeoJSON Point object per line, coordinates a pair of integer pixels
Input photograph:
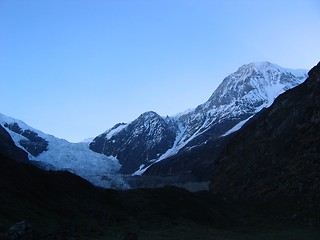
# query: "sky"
{"type": "Point", "coordinates": [75, 68]}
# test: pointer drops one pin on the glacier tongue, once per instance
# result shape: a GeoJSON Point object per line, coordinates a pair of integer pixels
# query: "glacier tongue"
{"type": "Point", "coordinates": [74, 157]}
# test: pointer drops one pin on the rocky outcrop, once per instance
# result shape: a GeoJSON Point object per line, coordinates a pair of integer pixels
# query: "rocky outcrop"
{"type": "Point", "coordinates": [32, 143]}
{"type": "Point", "coordinates": [276, 154]}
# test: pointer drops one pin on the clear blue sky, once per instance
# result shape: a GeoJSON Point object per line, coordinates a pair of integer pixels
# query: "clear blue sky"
{"type": "Point", "coordinates": [74, 68]}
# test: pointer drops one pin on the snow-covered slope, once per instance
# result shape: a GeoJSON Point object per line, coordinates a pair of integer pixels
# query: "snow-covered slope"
{"type": "Point", "coordinates": [242, 94]}
{"type": "Point", "coordinates": [58, 154]}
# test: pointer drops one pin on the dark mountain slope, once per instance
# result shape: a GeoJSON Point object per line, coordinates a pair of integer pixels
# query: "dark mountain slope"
{"type": "Point", "coordinates": [27, 192]}
{"type": "Point", "coordinates": [8, 148]}
{"type": "Point", "coordinates": [55, 201]}
{"type": "Point", "coordinates": [195, 165]}
{"type": "Point", "coordinates": [276, 155]}
{"type": "Point", "coordinates": [60, 205]}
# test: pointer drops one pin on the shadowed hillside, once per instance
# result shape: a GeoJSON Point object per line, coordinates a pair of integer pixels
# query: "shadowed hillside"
{"type": "Point", "coordinates": [275, 158]}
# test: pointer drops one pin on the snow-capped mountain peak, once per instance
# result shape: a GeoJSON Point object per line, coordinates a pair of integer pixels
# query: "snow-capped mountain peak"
{"type": "Point", "coordinates": [138, 142]}
{"type": "Point", "coordinates": [259, 82]}
{"type": "Point", "coordinates": [240, 95]}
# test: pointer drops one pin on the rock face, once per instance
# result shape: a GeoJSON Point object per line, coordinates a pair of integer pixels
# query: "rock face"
{"type": "Point", "coordinates": [144, 139]}
{"type": "Point", "coordinates": [150, 139]}
{"type": "Point", "coordinates": [9, 149]}
{"type": "Point", "coordinates": [32, 143]}
{"type": "Point", "coordinates": [276, 154]}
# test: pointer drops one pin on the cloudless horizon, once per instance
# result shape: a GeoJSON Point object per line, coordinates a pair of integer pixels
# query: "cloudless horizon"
{"type": "Point", "coordinates": [75, 68]}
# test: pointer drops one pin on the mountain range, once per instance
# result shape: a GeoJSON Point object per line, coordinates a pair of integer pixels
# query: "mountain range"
{"type": "Point", "coordinates": [161, 147]}
{"type": "Point", "coordinates": [264, 184]}
{"type": "Point", "coordinates": [152, 145]}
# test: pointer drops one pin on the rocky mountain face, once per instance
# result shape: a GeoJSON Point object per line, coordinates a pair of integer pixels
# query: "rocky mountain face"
{"type": "Point", "coordinates": [136, 143]}
{"type": "Point", "coordinates": [32, 143]}
{"type": "Point", "coordinates": [276, 154]}
{"type": "Point", "coordinates": [141, 147]}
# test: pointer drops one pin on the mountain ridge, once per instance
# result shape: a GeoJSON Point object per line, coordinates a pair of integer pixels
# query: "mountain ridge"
{"type": "Point", "coordinates": [139, 147]}
{"type": "Point", "coordinates": [276, 154]}
{"type": "Point", "coordinates": [240, 95]}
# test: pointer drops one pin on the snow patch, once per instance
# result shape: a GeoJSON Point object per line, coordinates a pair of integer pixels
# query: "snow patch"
{"type": "Point", "coordinates": [237, 127]}
{"type": "Point", "coordinates": [140, 171]}
{"type": "Point", "coordinates": [114, 131]}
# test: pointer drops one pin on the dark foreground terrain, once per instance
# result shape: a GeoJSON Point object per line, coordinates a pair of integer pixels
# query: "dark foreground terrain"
{"type": "Point", "coordinates": [59, 205]}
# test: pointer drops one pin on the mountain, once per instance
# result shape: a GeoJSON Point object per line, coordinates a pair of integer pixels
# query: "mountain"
{"type": "Point", "coordinates": [52, 153]}
{"type": "Point", "coordinates": [276, 155]}
{"type": "Point", "coordinates": [156, 146]}
{"type": "Point", "coordinates": [240, 95]}
{"type": "Point", "coordinates": [136, 143]}
{"type": "Point", "coordinates": [9, 149]}
{"type": "Point", "coordinates": [141, 146]}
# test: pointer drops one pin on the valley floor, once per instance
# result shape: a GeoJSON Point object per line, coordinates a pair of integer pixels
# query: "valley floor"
{"type": "Point", "coordinates": [60, 205]}
{"type": "Point", "coordinates": [191, 231]}
{"type": "Point", "coordinates": [181, 230]}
